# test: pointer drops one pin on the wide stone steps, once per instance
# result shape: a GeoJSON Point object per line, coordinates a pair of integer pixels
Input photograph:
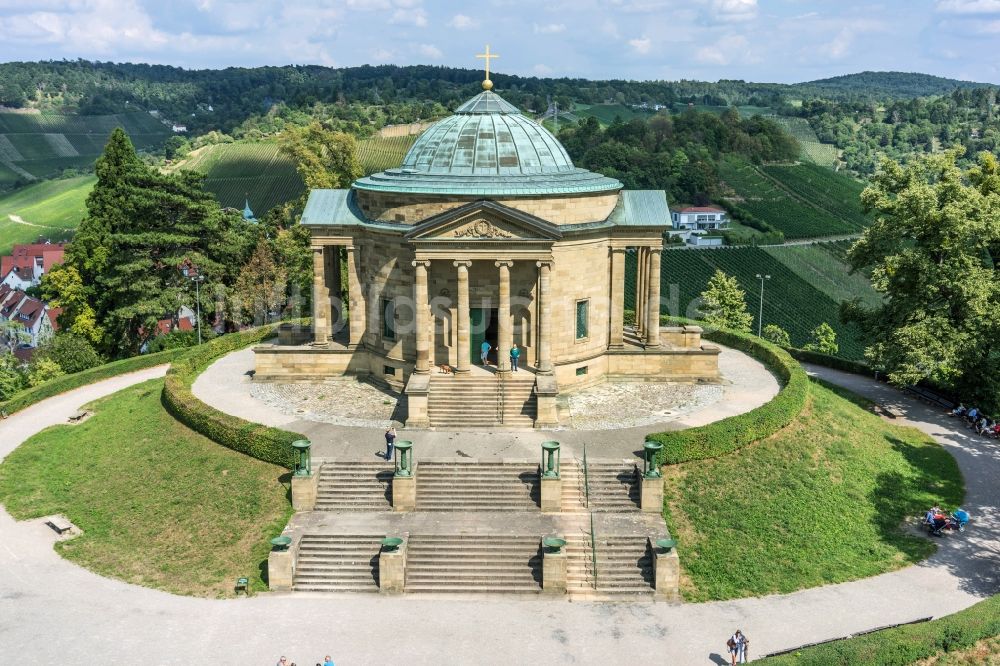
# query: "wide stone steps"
{"type": "Point", "coordinates": [354, 486]}
{"type": "Point", "coordinates": [480, 486]}
{"type": "Point", "coordinates": [624, 566]}
{"type": "Point", "coordinates": [473, 564]}
{"type": "Point", "coordinates": [475, 401]}
{"type": "Point", "coordinates": [614, 486]}
{"type": "Point", "coordinates": [337, 563]}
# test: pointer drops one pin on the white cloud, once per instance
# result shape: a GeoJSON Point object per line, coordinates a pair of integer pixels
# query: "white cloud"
{"type": "Point", "coordinates": [430, 51]}
{"type": "Point", "coordinates": [541, 70]}
{"type": "Point", "coordinates": [382, 55]}
{"type": "Point", "coordinates": [463, 22]}
{"type": "Point", "coordinates": [641, 45]}
{"type": "Point", "coordinates": [731, 11]}
{"type": "Point", "coordinates": [711, 55]}
{"type": "Point", "coordinates": [730, 49]}
{"type": "Point", "coordinates": [549, 29]}
{"type": "Point", "coordinates": [95, 26]}
{"type": "Point", "coordinates": [610, 28]}
{"type": "Point", "coordinates": [969, 6]}
{"type": "Point", "coordinates": [410, 16]}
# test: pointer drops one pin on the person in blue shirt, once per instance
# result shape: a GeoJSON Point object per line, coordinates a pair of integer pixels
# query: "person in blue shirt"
{"type": "Point", "coordinates": [515, 356]}
{"type": "Point", "coordinates": [484, 351]}
{"type": "Point", "coordinates": [328, 661]}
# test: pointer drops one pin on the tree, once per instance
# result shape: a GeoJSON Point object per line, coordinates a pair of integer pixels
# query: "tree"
{"type": "Point", "coordinates": [261, 286]}
{"type": "Point", "coordinates": [141, 226]}
{"type": "Point", "coordinates": [777, 335]}
{"type": "Point", "coordinates": [325, 159]}
{"type": "Point", "coordinates": [11, 378]}
{"type": "Point", "coordinates": [724, 304]}
{"type": "Point", "coordinates": [13, 334]}
{"type": "Point", "coordinates": [824, 340]}
{"type": "Point", "coordinates": [41, 370]}
{"type": "Point", "coordinates": [72, 353]}
{"type": "Point", "coordinates": [931, 252]}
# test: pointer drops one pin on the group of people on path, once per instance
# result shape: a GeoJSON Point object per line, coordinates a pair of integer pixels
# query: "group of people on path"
{"type": "Point", "coordinates": [739, 647]}
{"type": "Point", "coordinates": [978, 421]}
{"type": "Point", "coordinates": [283, 661]}
{"type": "Point", "coordinates": [486, 348]}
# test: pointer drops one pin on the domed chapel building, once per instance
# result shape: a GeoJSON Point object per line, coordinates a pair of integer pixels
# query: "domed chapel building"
{"type": "Point", "coordinates": [486, 233]}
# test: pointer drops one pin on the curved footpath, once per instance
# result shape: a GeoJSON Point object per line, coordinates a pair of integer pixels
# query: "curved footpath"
{"type": "Point", "coordinates": [52, 611]}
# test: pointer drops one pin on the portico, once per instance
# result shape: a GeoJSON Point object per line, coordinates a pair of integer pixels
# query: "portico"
{"type": "Point", "coordinates": [487, 233]}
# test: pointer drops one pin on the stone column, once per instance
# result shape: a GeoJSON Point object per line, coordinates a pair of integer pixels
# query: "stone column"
{"type": "Point", "coordinates": [356, 298]}
{"type": "Point", "coordinates": [653, 304]}
{"type": "Point", "coordinates": [505, 334]}
{"type": "Point", "coordinates": [336, 291]}
{"type": "Point", "coordinates": [421, 316]}
{"type": "Point", "coordinates": [464, 338]}
{"type": "Point", "coordinates": [616, 338]}
{"type": "Point", "coordinates": [321, 298]}
{"type": "Point", "coordinates": [544, 317]}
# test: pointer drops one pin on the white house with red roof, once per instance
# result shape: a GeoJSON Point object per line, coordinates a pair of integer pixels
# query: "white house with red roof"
{"type": "Point", "coordinates": [694, 218]}
{"type": "Point", "coordinates": [27, 263]}
{"type": "Point", "coordinates": [38, 320]}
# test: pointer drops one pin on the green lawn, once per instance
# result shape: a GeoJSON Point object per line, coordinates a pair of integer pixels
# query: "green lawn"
{"type": "Point", "coordinates": [51, 209]}
{"type": "Point", "coordinates": [820, 502]}
{"type": "Point", "coordinates": [159, 505]}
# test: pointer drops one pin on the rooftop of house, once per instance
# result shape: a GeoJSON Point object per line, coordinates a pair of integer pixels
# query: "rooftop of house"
{"type": "Point", "coordinates": [700, 209]}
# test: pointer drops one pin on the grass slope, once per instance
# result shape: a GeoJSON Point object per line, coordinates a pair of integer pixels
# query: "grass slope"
{"type": "Point", "coordinates": [606, 113]}
{"type": "Point", "coordinates": [794, 298]}
{"type": "Point", "coordinates": [50, 209]}
{"type": "Point", "coordinates": [384, 152]}
{"type": "Point", "coordinates": [42, 145]}
{"type": "Point", "coordinates": [813, 150]}
{"type": "Point", "coordinates": [159, 505]}
{"type": "Point", "coordinates": [820, 502]}
{"type": "Point", "coordinates": [803, 200]}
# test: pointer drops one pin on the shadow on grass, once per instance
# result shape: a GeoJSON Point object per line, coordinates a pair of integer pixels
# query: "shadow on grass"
{"type": "Point", "coordinates": [852, 397]}
{"type": "Point", "coordinates": [285, 480]}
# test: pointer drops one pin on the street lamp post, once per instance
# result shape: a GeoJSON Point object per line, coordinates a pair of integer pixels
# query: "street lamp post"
{"type": "Point", "coordinates": [760, 313]}
{"type": "Point", "coordinates": [191, 273]}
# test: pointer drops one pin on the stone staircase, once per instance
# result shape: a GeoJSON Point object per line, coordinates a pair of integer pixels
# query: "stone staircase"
{"type": "Point", "coordinates": [573, 492]}
{"type": "Point", "coordinates": [473, 563]}
{"type": "Point", "coordinates": [482, 401]}
{"type": "Point", "coordinates": [477, 486]}
{"type": "Point", "coordinates": [337, 563]}
{"type": "Point", "coordinates": [355, 486]}
{"type": "Point", "coordinates": [624, 566]}
{"type": "Point", "coordinates": [615, 485]}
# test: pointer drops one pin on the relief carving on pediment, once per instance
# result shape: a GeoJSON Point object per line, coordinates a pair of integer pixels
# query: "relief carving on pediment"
{"type": "Point", "coordinates": [481, 229]}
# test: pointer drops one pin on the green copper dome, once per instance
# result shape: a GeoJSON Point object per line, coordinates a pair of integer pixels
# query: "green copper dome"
{"type": "Point", "coordinates": [487, 148]}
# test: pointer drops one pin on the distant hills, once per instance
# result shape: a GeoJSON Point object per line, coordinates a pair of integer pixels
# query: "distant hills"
{"type": "Point", "coordinates": [888, 84]}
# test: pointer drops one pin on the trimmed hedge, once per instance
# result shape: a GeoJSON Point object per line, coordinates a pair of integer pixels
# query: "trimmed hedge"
{"type": "Point", "coordinates": [826, 360]}
{"type": "Point", "coordinates": [729, 434]}
{"type": "Point", "coordinates": [65, 383]}
{"type": "Point", "coordinates": [271, 445]}
{"type": "Point", "coordinates": [905, 645]}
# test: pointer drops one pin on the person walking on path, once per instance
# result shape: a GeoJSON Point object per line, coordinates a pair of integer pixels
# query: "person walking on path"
{"type": "Point", "coordinates": [515, 355]}
{"type": "Point", "coordinates": [390, 437]}
{"type": "Point", "coordinates": [484, 351]}
{"type": "Point", "coordinates": [328, 661]}
{"type": "Point", "coordinates": [738, 645]}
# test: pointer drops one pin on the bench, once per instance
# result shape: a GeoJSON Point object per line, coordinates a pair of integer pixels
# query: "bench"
{"type": "Point", "coordinates": [76, 417]}
{"type": "Point", "coordinates": [929, 397]}
{"type": "Point", "coordinates": [59, 524]}
{"type": "Point", "coordinates": [243, 584]}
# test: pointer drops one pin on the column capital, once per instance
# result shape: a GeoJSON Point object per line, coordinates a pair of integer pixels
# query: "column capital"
{"type": "Point", "coordinates": [618, 250]}
{"type": "Point", "coordinates": [318, 248]}
{"type": "Point", "coordinates": [547, 263]}
{"type": "Point", "coordinates": [459, 263]}
{"type": "Point", "coordinates": [422, 262]}
{"type": "Point", "coordinates": [503, 262]}
{"type": "Point", "coordinates": [655, 250]}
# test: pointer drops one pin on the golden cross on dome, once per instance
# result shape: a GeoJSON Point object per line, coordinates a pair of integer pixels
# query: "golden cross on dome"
{"type": "Point", "coordinates": [487, 84]}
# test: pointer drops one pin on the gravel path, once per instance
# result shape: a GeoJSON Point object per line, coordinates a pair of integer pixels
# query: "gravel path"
{"type": "Point", "coordinates": [52, 611]}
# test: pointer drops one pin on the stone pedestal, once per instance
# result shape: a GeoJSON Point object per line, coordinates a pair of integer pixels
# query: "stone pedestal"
{"type": "Point", "coordinates": [546, 390]}
{"type": "Point", "coordinates": [281, 569]}
{"type": "Point", "coordinates": [417, 389]}
{"type": "Point", "coordinates": [667, 575]}
{"type": "Point", "coordinates": [651, 499]}
{"type": "Point", "coordinates": [304, 490]}
{"type": "Point", "coordinates": [392, 570]}
{"type": "Point", "coordinates": [404, 492]}
{"type": "Point", "coordinates": [554, 572]}
{"type": "Point", "coordinates": [551, 494]}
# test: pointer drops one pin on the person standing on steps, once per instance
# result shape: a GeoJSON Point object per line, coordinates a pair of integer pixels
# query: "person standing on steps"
{"type": "Point", "coordinates": [484, 352]}
{"type": "Point", "coordinates": [515, 355]}
{"type": "Point", "coordinates": [390, 437]}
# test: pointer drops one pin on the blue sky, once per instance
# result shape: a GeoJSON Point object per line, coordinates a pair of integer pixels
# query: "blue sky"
{"type": "Point", "coordinates": [757, 40]}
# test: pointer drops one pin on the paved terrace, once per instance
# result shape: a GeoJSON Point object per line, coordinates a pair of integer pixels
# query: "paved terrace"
{"type": "Point", "coordinates": [52, 611]}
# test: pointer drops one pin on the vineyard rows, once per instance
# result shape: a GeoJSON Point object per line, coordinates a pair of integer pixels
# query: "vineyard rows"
{"type": "Point", "coordinates": [383, 152]}
{"type": "Point", "coordinates": [824, 154]}
{"type": "Point", "coordinates": [780, 206]}
{"type": "Point", "coordinates": [836, 193]}
{"type": "Point", "coordinates": [790, 300]}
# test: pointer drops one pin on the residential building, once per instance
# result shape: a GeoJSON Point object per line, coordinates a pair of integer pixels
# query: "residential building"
{"type": "Point", "coordinates": [30, 261]}
{"type": "Point", "coordinates": [38, 320]}
{"type": "Point", "coordinates": [699, 218]}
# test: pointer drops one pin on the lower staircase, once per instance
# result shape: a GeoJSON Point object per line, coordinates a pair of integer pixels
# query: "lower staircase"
{"type": "Point", "coordinates": [615, 485]}
{"type": "Point", "coordinates": [482, 401]}
{"type": "Point", "coordinates": [624, 566]}
{"type": "Point", "coordinates": [337, 563]}
{"type": "Point", "coordinates": [355, 486]}
{"type": "Point", "coordinates": [477, 486]}
{"type": "Point", "coordinates": [481, 563]}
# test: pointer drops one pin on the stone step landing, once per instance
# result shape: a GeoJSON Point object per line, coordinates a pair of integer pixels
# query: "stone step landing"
{"type": "Point", "coordinates": [474, 563]}
{"type": "Point", "coordinates": [355, 486]}
{"type": "Point", "coordinates": [337, 563]}
{"type": "Point", "coordinates": [455, 401]}
{"type": "Point", "coordinates": [477, 486]}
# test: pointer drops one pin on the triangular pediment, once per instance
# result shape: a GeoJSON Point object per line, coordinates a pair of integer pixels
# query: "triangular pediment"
{"type": "Point", "coordinates": [485, 221]}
